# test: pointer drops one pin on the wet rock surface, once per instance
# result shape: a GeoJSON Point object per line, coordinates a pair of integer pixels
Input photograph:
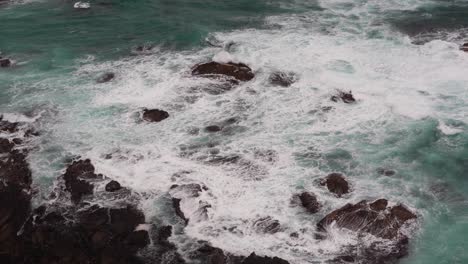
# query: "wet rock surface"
{"type": "Point", "coordinates": [238, 71]}
{"type": "Point", "coordinates": [464, 47]}
{"type": "Point", "coordinates": [309, 201]}
{"type": "Point", "coordinates": [376, 218]}
{"type": "Point", "coordinates": [154, 115]}
{"type": "Point", "coordinates": [345, 97]}
{"type": "Point", "coordinates": [61, 232]}
{"type": "Point", "coordinates": [336, 183]}
{"type": "Point", "coordinates": [77, 179]}
{"type": "Point", "coordinates": [113, 186]}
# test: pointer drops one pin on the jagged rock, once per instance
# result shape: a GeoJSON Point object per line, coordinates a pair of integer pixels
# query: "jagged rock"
{"type": "Point", "coordinates": [375, 218]}
{"type": "Point", "coordinates": [284, 79]}
{"type": "Point", "coordinates": [154, 115]}
{"type": "Point", "coordinates": [238, 71]}
{"type": "Point", "coordinates": [76, 179]}
{"type": "Point", "coordinates": [346, 97]}
{"type": "Point", "coordinates": [254, 259]}
{"type": "Point", "coordinates": [378, 219]}
{"type": "Point", "coordinates": [309, 202]}
{"type": "Point", "coordinates": [106, 77]}
{"type": "Point", "coordinates": [88, 237]}
{"type": "Point", "coordinates": [336, 184]}
{"type": "Point", "coordinates": [113, 186]}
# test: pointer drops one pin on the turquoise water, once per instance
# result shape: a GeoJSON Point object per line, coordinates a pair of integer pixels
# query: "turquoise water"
{"type": "Point", "coordinates": [400, 58]}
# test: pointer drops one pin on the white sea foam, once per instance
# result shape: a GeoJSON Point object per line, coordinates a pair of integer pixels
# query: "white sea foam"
{"type": "Point", "coordinates": [394, 82]}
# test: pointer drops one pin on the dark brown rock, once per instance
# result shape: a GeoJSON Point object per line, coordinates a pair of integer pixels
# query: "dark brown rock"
{"type": "Point", "coordinates": [309, 202]}
{"type": "Point", "coordinates": [464, 47]}
{"type": "Point", "coordinates": [345, 97]}
{"type": "Point", "coordinates": [113, 186]}
{"type": "Point", "coordinates": [379, 205]}
{"type": "Point", "coordinates": [284, 79]}
{"type": "Point", "coordinates": [154, 115]}
{"type": "Point", "coordinates": [373, 218]}
{"type": "Point", "coordinates": [106, 77]}
{"type": "Point", "coordinates": [336, 184]}
{"type": "Point", "coordinates": [238, 71]}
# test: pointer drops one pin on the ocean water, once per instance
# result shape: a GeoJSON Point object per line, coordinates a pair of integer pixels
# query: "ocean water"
{"type": "Point", "coordinates": [400, 58]}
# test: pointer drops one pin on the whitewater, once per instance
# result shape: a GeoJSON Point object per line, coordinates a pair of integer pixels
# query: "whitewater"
{"type": "Point", "coordinates": [410, 117]}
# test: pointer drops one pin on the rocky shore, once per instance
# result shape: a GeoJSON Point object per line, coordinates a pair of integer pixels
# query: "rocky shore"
{"type": "Point", "coordinates": [74, 226]}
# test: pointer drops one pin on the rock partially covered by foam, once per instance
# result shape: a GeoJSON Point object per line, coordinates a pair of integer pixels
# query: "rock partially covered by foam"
{"type": "Point", "coordinates": [336, 183]}
{"type": "Point", "coordinates": [464, 47]}
{"type": "Point", "coordinates": [376, 218]}
{"type": "Point", "coordinates": [188, 203]}
{"type": "Point", "coordinates": [106, 77]}
{"type": "Point", "coordinates": [154, 115]}
{"type": "Point", "coordinates": [284, 79]}
{"type": "Point", "coordinates": [309, 201]}
{"type": "Point", "coordinates": [238, 71]}
{"type": "Point", "coordinates": [345, 97]}
{"type": "Point", "coordinates": [5, 62]}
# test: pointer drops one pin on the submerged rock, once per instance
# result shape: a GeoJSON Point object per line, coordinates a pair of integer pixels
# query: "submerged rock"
{"type": "Point", "coordinates": [106, 77]}
{"type": "Point", "coordinates": [267, 225]}
{"type": "Point", "coordinates": [336, 184]}
{"type": "Point", "coordinates": [154, 115]}
{"type": "Point", "coordinates": [284, 79]}
{"type": "Point", "coordinates": [386, 172]}
{"type": "Point", "coordinates": [4, 62]}
{"type": "Point", "coordinates": [238, 71]}
{"type": "Point", "coordinates": [345, 97]}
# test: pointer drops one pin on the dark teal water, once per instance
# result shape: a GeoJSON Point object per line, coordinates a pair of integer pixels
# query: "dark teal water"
{"type": "Point", "coordinates": [400, 58]}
